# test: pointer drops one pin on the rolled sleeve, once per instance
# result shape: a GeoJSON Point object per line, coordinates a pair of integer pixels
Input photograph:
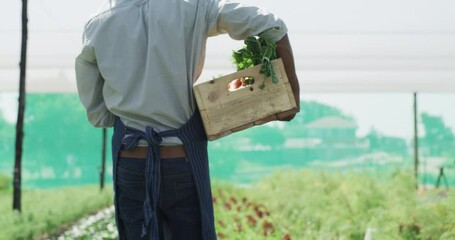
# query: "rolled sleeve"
{"type": "Point", "coordinates": [274, 34]}
{"type": "Point", "coordinates": [241, 21]}
{"type": "Point", "coordinates": [90, 88]}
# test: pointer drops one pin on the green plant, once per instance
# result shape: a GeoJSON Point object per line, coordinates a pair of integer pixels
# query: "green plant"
{"type": "Point", "coordinates": [257, 50]}
{"type": "Point", "coordinates": [5, 182]}
{"type": "Point", "coordinates": [302, 204]}
{"type": "Point", "coordinates": [241, 217]}
{"type": "Point", "coordinates": [437, 218]}
{"type": "Point", "coordinates": [48, 211]}
{"type": "Point", "coordinates": [331, 205]}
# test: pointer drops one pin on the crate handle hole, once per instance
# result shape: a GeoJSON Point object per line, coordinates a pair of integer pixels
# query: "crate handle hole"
{"type": "Point", "coordinates": [240, 83]}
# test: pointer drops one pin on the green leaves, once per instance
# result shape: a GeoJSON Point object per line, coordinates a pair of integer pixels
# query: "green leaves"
{"type": "Point", "coordinates": [257, 51]}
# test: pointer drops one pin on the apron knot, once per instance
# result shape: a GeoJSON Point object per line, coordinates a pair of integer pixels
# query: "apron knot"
{"type": "Point", "coordinates": [153, 137]}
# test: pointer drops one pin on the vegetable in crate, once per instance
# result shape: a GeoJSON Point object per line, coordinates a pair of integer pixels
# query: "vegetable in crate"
{"type": "Point", "coordinates": [257, 50]}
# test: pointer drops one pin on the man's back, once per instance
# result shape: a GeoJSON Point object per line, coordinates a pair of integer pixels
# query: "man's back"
{"type": "Point", "coordinates": [148, 53]}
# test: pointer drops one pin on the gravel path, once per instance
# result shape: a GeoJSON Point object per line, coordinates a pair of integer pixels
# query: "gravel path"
{"type": "Point", "coordinates": [100, 226]}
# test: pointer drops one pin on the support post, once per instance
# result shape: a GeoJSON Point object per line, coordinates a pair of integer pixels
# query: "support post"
{"type": "Point", "coordinates": [103, 159]}
{"type": "Point", "coordinates": [17, 176]}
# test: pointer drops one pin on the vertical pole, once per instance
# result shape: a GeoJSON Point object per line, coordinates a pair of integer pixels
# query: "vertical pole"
{"type": "Point", "coordinates": [416, 142]}
{"type": "Point", "coordinates": [20, 115]}
{"type": "Point", "coordinates": [103, 159]}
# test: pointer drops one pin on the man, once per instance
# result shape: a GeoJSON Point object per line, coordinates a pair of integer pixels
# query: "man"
{"type": "Point", "coordinates": [138, 63]}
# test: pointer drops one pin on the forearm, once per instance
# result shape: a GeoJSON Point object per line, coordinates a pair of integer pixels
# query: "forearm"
{"type": "Point", "coordinates": [284, 51]}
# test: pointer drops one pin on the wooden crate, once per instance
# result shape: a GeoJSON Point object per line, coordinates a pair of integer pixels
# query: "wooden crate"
{"type": "Point", "coordinates": [224, 112]}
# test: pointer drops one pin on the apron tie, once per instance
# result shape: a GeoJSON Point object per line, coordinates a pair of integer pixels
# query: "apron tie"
{"type": "Point", "coordinates": [152, 172]}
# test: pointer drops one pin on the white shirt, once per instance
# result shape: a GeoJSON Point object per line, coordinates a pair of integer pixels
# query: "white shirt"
{"type": "Point", "coordinates": [140, 58]}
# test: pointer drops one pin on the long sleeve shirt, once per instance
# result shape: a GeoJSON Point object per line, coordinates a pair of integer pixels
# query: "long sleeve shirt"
{"type": "Point", "coordinates": [140, 58]}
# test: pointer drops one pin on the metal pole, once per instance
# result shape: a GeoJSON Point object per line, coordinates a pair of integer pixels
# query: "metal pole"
{"type": "Point", "coordinates": [103, 159]}
{"type": "Point", "coordinates": [20, 115]}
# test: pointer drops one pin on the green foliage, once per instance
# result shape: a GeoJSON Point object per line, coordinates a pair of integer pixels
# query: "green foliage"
{"type": "Point", "coordinates": [240, 217]}
{"type": "Point", "coordinates": [380, 142]}
{"type": "Point", "coordinates": [438, 218]}
{"type": "Point", "coordinates": [5, 182]}
{"type": "Point", "coordinates": [318, 205]}
{"type": "Point", "coordinates": [46, 211]}
{"type": "Point", "coordinates": [439, 139]}
{"type": "Point", "coordinates": [311, 205]}
{"type": "Point", "coordinates": [257, 51]}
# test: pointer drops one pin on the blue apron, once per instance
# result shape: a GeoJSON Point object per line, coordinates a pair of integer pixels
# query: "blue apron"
{"type": "Point", "coordinates": [193, 136]}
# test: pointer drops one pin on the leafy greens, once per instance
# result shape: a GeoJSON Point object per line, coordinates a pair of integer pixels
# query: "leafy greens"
{"type": "Point", "coordinates": [257, 50]}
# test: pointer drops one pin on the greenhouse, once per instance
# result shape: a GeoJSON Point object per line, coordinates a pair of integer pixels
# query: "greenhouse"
{"type": "Point", "coordinates": [377, 91]}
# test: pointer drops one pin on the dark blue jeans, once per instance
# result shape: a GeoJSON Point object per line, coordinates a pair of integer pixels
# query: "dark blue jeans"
{"type": "Point", "coordinates": [179, 212]}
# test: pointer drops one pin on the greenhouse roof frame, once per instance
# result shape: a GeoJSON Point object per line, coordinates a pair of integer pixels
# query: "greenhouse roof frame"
{"type": "Point", "coordinates": [347, 46]}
